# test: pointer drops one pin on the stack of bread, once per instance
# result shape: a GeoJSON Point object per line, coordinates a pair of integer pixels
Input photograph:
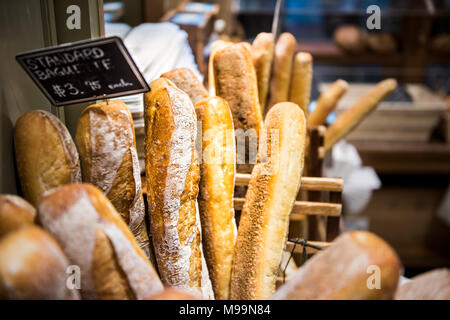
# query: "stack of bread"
{"type": "Point", "coordinates": [84, 231]}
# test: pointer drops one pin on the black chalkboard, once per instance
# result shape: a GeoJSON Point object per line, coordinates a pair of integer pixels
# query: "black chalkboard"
{"type": "Point", "coordinates": [84, 71]}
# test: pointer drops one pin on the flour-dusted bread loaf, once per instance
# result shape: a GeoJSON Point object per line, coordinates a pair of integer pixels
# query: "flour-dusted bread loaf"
{"type": "Point", "coordinates": [358, 265]}
{"type": "Point", "coordinates": [272, 190]}
{"type": "Point", "coordinates": [175, 294]}
{"type": "Point", "coordinates": [33, 266]}
{"type": "Point", "coordinates": [97, 240]}
{"type": "Point", "coordinates": [282, 69]}
{"type": "Point", "coordinates": [172, 175]}
{"type": "Point", "coordinates": [215, 46]}
{"type": "Point", "coordinates": [106, 142]}
{"type": "Point", "coordinates": [431, 285]}
{"type": "Point", "coordinates": [15, 213]}
{"type": "Point", "coordinates": [46, 156]}
{"type": "Point", "coordinates": [327, 102]}
{"type": "Point", "coordinates": [355, 114]}
{"type": "Point", "coordinates": [302, 73]}
{"type": "Point", "coordinates": [215, 199]}
{"type": "Point", "coordinates": [187, 81]}
{"type": "Point", "coordinates": [262, 54]}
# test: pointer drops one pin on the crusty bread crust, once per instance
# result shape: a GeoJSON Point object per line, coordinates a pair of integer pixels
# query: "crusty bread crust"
{"type": "Point", "coordinates": [302, 73]}
{"type": "Point", "coordinates": [354, 115]}
{"type": "Point", "coordinates": [33, 266]}
{"type": "Point", "coordinates": [215, 46]}
{"type": "Point", "coordinates": [343, 271]}
{"type": "Point", "coordinates": [107, 145]}
{"type": "Point", "coordinates": [281, 71]}
{"type": "Point", "coordinates": [217, 171]}
{"type": "Point", "coordinates": [46, 156]}
{"type": "Point", "coordinates": [431, 285]}
{"type": "Point", "coordinates": [15, 213]}
{"type": "Point", "coordinates": [327, 102]}
{"type": "Point", "coordinates": [273, 187]}
{"type": "Point", "coordinates": [172, 174]}
{"type": "Point", "coordinates": [262, 54]}
{"type": "Point", "coordinates": [186, 80]}
{"type": "Point", "coordinates": [73, 214]}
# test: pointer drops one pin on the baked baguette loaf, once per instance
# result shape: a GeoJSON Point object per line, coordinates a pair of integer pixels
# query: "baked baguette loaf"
{"type": "Point", "coordinates": [175, 294]}
{"type": "Point", "coordinates": [46, 156]}
{"type": "Point", "coordinates": [282, 68]}
{"type": "Point", "coordinates": [273, 187]}
{"type": "Point", "coordinates": [33, 267]}
{"type": "Point", "coordinates": [215, 46]}
{"type": "Point", "coordinates": [172, 175]}
{"type": "Point", "coordinates": [262, 53]}
{"type": "Point", "coordinates": [327, 102]}
{"type": "Point", "coordinates": [107, 145]}
{"type": "Point", "coordinates": [187, 81]}
{"type": "Point", "coordinates": [94, 237]}
{"type": "Point", "coordinates": [347, 270]}
{"type": "Point", "coordinates": [215, 199]}
{"type": "Point", "coordinates": [431, 285]}
{"type": "Point", "coordinates": [354, 115]}
{"type": "Point", "coordinates": [302, 73]}
{"type": "Point", "coordinates": [15, 213]}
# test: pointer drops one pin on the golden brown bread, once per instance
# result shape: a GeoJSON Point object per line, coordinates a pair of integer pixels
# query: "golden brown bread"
{"type": "Point", "coordinates": [431, 285]}
{"type": "Point", "coordinates": [272, 190]}
{"type": "Point", "coordinates": [348, 270]}
{"type": "Point", "coordinates": [33, 266]}
{"type": "Point", "coordinates": [302, 74]}
{"type": "Point", "coordinates": [15, 213]}
{"type": "Point", "coordinates": [107, 145]}
{"type": "Point", "coordinates": [172, 175]}
{"type": "Point", "coordinates": [354, 115]}
{"type": "Point", "coordinates": [282, 68]}
{"type": "Point", "coordinates": [215, 46]}
{"type": "Point", "coordinates": [187, 81]}
{"type": "Point", "coordinates": [94, 237]}
{"type": "Point", "coordinates": [327, 102]}
{"type": "Point", "coordinates": [382, 42]}
{"type": "Point", "coordinates": [215, 199]}
{"type": "Point", "coordinates": [262, 53]}
{"type": "Point", "coordinates": [46, 156]}
{"type": "Point", "coordinates": [350, 38]}
{"type": "Point", "coordinates": [174, 294]}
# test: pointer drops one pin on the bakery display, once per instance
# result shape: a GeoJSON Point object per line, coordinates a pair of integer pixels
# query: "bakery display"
{"type": "Point", "coordinates": [282, 67]}
{"type": "Point", "coordinates": [358, 265]}
{"type": "Point", "coordinates": [187, 81]}
{"type": "Point", "coordinates": [172, 175]}
{"type": "Point", "coordinates": [272, 190]}
{"type": "Point", "coordinates": [46, 155]}
{"type": "Point", "coordinates": [94, 237]}
{"type": "Point", "coordinates": [302, 73]}
{"type": "Point", "coordinates": [15, 213]}
{"type": "Point", "coordinates": [431, 285]}
{"type": "Point", "coordinates": [107, 146]}
{"type": "Point", "coordinates": [33, 267]}
{"type": "Point", "coordinates": [262, 54]}
{"type": "Point", "coordinates": [215, 200]}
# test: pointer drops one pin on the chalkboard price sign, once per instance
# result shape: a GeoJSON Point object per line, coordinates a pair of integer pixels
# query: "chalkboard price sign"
{"type": "Point", "coordinates": [84, 71]}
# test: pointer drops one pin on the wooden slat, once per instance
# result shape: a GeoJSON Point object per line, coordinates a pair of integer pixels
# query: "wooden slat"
{"type": "Point", "coordinates": [305, 207]}
{"type": "Point", "coordinates": [307, 183]}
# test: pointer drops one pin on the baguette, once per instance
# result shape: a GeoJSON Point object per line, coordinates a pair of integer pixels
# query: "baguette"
{"type": "Point", "coordinates": [262, 54]}
{"type": "Point", "coordinates": [95, 238]}
{"type": "Point", "coordinates": [46, 156]}
{"type": "Point", "coordinates": [302, 73]}
{"type": "Point", "coordinates": [107, 145]}
{"type": "Point", "coordinates": [172, 175]}
{"type": "Point", "coordinates": [431, 285]}
{"type": "Point", "coordinates": [33, 267]}
{"type": "Point", "coordinates": [215, 199]}
{"type": "Point", "coordinates": [354, 115]}
{"type": "Point", "coordinates": [15, 213]}
{"type": "Point", "coordinates": [174, 294]}
{"type": "Point", "coordinates": [281, 71]}
{"type": "Point", "coordinates": [327, 102]}
{"type": "Point", "coordinates": [273, 187]}
{"type": "Point", "coordinates": [186, 80]}
{"type": "Point", "coordinates": [347, 270]}
{"type": "Point", "coordinates": [215, 46]}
